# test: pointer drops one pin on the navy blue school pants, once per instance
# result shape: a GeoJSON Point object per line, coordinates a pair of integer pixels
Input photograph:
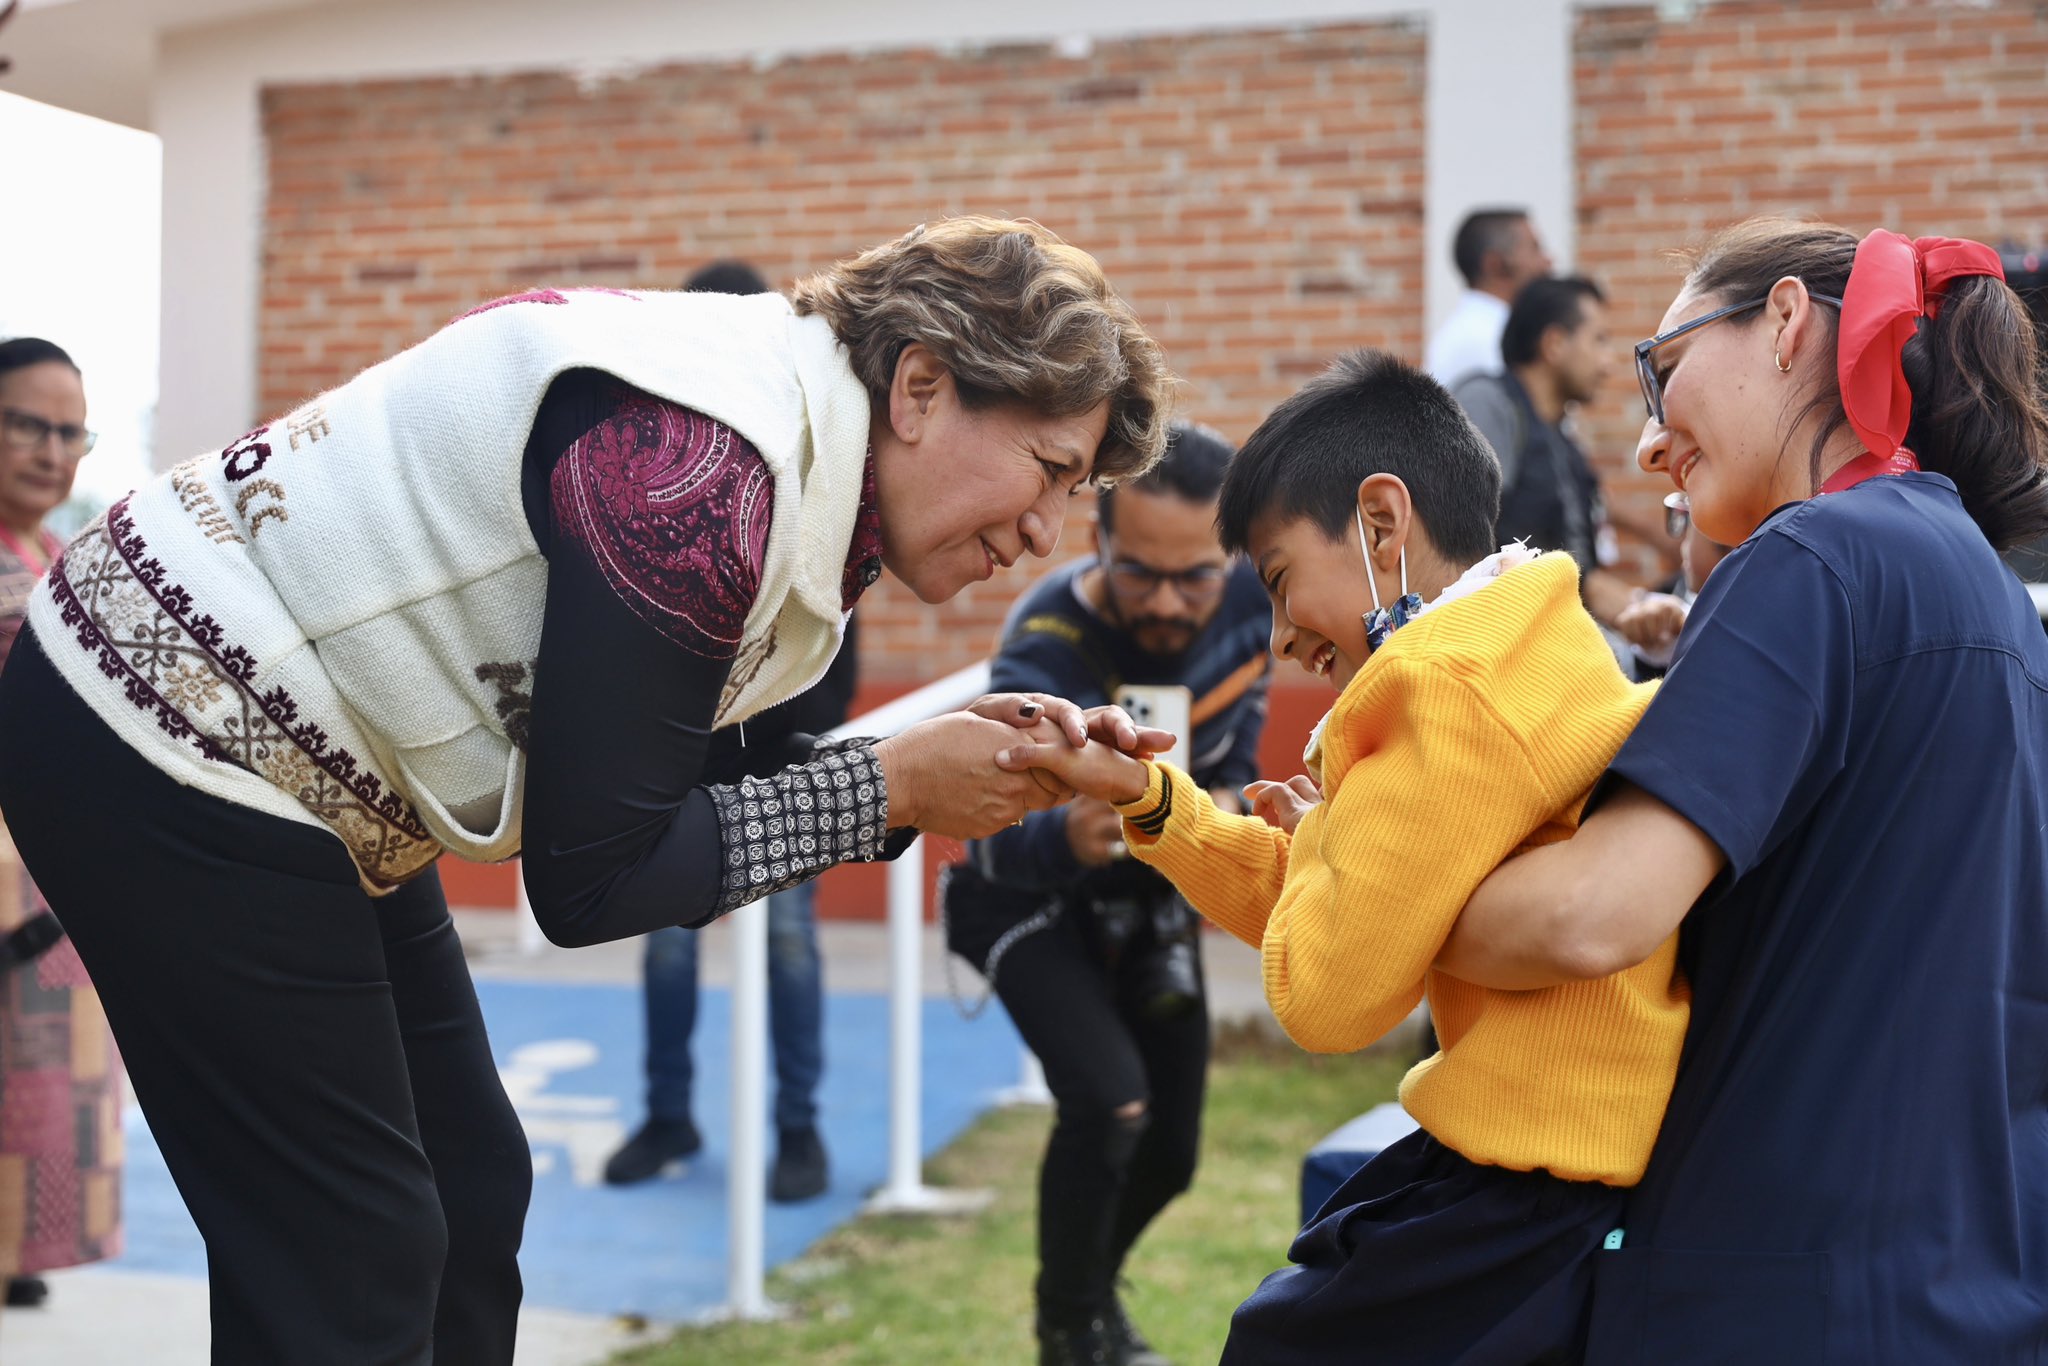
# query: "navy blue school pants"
{"type": "Point", "coordinates": [1424, 1258]}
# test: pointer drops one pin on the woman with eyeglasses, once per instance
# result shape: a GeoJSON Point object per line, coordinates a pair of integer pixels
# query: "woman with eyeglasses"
{"type": "Point", "coordinates": [1838, 797]}
{"type": "Point", "coordinates": [60, 1101]}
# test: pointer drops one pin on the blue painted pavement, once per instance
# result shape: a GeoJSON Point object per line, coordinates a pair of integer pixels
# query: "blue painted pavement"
{"type": "Point", "coordinates": [571, 1059]}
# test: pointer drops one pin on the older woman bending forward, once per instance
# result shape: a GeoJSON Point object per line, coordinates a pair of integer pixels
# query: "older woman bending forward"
{"type": "Point", "coordinates": [496, 594]}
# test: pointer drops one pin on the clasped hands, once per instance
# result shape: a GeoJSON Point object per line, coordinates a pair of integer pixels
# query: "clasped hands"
{"type": "Point", "coordinates": [971, 773]}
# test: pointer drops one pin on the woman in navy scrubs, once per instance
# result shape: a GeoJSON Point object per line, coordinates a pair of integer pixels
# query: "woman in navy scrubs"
{"type": "Point", "coordinates": [1840, 794]}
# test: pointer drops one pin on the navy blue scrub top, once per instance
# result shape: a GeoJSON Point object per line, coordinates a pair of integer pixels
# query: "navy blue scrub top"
{"type": "Point", "coordinates": [1854, 1166]}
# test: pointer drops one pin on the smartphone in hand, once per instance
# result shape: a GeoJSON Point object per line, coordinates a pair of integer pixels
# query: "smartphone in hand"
{"type": "Point", "coordinates": [1166, 706]}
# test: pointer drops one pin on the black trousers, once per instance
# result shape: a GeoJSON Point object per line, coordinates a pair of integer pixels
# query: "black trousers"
{"type": "Point", "coordinates": [1424, 1258]}
{"type": "Point", "coordinates": [312, 1060]}
{"type": "Point", "coordinates": [1105, 1177]}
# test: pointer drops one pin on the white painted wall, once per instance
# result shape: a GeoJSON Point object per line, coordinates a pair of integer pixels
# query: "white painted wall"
{"type": "Point", "coordinates": [1499, 105]}
{"type": "Point", "coordinates": [204, 109]}
{"type": "Point", "coordinates": [1499, 114]}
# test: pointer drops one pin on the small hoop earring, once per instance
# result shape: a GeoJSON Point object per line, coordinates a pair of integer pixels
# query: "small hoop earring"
{"type": "Point", "coordinates": [1783, 368]}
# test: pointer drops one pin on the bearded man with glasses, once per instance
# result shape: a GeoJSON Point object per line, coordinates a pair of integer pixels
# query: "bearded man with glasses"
{"type": "Point", "coordinates": [1094, 954]}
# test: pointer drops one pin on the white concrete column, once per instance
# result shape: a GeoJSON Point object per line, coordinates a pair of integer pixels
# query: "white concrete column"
{"type": "Point", "coordinates": [206, 112]}
{"type": "Point", "coordinates": [1499, 109]}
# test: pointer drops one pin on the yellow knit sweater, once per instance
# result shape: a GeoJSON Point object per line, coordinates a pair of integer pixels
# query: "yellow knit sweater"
{"type": "Point", "coordinates": [1475, 732]}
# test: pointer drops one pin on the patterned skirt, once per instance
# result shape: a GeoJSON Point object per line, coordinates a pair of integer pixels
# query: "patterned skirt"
{"type": "Point", "coordinates": [60, 1114]}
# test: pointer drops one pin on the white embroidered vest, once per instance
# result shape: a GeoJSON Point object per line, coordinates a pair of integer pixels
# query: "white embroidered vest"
{"type": "Point", "coordinates": [335, 618]}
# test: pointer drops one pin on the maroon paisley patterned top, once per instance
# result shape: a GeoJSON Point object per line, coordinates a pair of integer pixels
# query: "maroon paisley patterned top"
{"type": "Point", "coordinates": [675, 510]}
{"type": "Point", "coordinates": [655, 520]}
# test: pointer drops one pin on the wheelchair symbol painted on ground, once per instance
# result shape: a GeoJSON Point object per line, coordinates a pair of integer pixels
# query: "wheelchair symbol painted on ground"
{"type": "Point", "coordinates": [584, 1130]}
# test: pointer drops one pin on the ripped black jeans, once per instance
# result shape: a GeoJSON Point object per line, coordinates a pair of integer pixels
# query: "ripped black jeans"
{"type": "Point", "coordinates": [1129, 1095]}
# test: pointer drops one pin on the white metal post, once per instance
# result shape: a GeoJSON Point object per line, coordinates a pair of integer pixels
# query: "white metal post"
{"type": "Point", "coordinates": [905, 1191]}
{"type": "Point", "coordinates": [746, 1294]}
{"type": "Point", "coordinates": [906, 1030]}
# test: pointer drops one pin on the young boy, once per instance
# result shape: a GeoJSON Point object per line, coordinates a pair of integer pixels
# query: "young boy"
{"type": "Point", "coordinates": [1477, 705]}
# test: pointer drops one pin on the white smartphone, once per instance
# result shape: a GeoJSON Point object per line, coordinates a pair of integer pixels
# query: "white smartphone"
{"type": "Point", "coordinates": [1166, 706]}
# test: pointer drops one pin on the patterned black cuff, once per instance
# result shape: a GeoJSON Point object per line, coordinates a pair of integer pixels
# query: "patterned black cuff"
{"type": "Point", "coordinates": [823, 746]}
{"type": "Point", "coordinates": [782, 831]}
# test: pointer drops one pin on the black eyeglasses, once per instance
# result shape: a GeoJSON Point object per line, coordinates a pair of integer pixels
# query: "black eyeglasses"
{"type": "Point", "coordinates": [26, 431]}
{"type": "Point", "coordinates": [1646, 373]}
{"type": "Point", "coordinates": [1196, 586]}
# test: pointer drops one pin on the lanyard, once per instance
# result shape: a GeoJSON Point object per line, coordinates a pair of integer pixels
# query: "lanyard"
{"type": "Point", "coordinates": [1871, 466]}
{"type": "Point", "coordinates": [49, 545]}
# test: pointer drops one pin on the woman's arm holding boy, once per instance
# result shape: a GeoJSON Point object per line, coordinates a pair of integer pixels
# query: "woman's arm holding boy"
{"type": "Point", "coordinates": [1595, 904]}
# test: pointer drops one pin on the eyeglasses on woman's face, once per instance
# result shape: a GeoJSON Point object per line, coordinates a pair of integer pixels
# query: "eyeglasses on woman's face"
{"type": "Point", "coordinates": [26, 432]}
{"type": "Point", "coordinates": [1646, 369]}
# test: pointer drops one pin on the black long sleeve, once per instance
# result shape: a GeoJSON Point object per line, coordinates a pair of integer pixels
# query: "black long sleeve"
{"type": "Point", "coordinates": [637, 815]}
{"type": "Point", "coordinates": [618, 831]}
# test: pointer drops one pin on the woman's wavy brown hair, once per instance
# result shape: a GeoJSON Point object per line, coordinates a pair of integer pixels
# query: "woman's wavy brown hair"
{"type": "Point", "coordinates": [1015, 315]}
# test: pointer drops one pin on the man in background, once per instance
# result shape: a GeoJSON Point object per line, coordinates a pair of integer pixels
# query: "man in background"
{"type": "Point", "coordinates": [1094, 955]}
{"type": "Point", "coordinates": [1497, 252]}
{"type": "Point", "coordinates": [1653, 621]}
{"type": "Point", "coordinates": [796, 989]}
{"type": "Point", "coordinates": [1556, 354]}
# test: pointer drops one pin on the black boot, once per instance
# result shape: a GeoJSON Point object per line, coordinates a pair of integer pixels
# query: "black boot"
{"type": "Point", "coordinates": [1086, 1345]}
{"type": "Point", "coordinates": [659, 1142]}
{"type": "Point", "coordinates": [800, 1168]}
{"type": "Point", "coordinates": [1127, 1345]}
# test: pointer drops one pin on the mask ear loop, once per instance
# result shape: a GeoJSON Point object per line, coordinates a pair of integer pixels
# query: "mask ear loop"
{"type": "Point", "coordinates": [1382, 622]}
{"type": "Point", "coordinates": [1365, 549]}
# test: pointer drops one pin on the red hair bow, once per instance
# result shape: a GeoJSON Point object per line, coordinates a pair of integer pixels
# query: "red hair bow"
{"type": "Point", "coordinates": [1894, 283]}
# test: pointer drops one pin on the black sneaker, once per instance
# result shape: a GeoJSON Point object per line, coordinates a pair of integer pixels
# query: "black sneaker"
{"type": "Point", "coordinates": [1127, 1345]}
{"type": "Point", "coordinates": [659, 1142]}
{"type": "Point", "coordinates": [800, 1167]}
{"type": "Point", "coordinates": [26, 1292]}
{"type": "Point", "coordinates": [1087, 1345]}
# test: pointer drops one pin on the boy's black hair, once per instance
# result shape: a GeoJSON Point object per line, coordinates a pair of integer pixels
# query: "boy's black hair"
{"type": "Point", "coordinates": [1367, 414]}
{"type": "Point", "coordinates": [1546, 302]}
{"type": "Point", "coordinates": [1191, 470]}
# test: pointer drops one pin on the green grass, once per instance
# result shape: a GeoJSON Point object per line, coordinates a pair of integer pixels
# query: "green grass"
{"type": "Point", "coordinates": [901, 1290]}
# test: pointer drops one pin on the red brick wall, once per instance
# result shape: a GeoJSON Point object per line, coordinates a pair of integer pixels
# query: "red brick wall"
{"type": "Point", "coordinates": [1256, 195]}
{"type": "Point", "coordinates": [1924, 118]}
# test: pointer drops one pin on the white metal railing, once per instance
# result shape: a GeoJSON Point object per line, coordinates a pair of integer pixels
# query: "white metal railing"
{"type": "Point", "coordinates": [746, 1294]}
{"type": "Point", "coordinates": [904, 1191]}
